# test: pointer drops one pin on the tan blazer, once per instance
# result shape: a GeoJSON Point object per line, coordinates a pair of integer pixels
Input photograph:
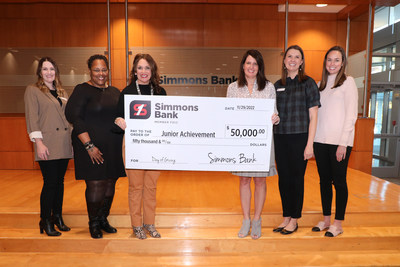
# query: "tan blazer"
{"type": "Point", "coordinates": [45, 119]}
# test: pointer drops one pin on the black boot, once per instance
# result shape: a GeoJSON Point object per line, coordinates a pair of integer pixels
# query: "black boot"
{"type": "Point", "coordinates": [59, 222]}
{"type": "Point", "coordinates": [48, 226]}
{"type": "Point", "coordinates": [94, 223]}
{"type": "Point", "coordinates": [103, 214]}
{"type": "Point", "coordinates": [95, 230]}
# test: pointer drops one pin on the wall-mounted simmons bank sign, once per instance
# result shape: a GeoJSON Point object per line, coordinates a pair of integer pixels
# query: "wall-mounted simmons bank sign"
{"type": "Point", "coordinates": [195, 79]}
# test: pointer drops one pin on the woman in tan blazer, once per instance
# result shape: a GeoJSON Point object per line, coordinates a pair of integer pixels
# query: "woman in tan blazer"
{"type": "Point", "coordinates": [50, 133]}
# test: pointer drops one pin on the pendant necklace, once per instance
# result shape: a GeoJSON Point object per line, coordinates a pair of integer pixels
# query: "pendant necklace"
{"type": "Point", "coordinates": [139, 92]}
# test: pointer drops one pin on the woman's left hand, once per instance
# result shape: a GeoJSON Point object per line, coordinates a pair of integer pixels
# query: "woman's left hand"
{"type": "Point", "coordinates": [121, 123]}
{"type": "Point", "coordinates": [275, 119]}
{"type": "Point", "coordinates": [95, 155]}
{"type": "Point", "coordinates": [340, 153]}
{"type": "Point", "coordinates": [308, 152]}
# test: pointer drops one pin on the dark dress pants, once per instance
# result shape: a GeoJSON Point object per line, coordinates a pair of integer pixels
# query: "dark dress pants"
{"type": "Point", "coordinates": [332, 172]}
{"type": "Point", "coordinates": [291, 166]}
{"type": "Point", "coordinates": [51, 198]}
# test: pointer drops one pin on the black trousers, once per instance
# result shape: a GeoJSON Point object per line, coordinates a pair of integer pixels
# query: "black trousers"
{"type": "Point", "coordinates": [291, 166]}
{"type": "Point", "coordinates": [332, 172]}
{"type": "Point", "coordinates": [51, 198]}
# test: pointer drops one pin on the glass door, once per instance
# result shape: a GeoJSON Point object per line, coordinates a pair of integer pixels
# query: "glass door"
{"type": "Point", "coordinates": [384, 107]}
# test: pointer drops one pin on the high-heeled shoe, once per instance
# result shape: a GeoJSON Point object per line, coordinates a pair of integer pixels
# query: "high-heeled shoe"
{"type": "Point", "coordinates": [287, 232]}
{"type": "Point", "coordinates": [151, 229]}
{"type": "Point", "coordinates": [47, 226]}
{"type": "Point", "coordinates": [256, 229]}
{"type": "Point", "coordinates": [245, 229]}
{"type": "Point", "coordinates": [59, 222]}
{"type": "Point", "coordinates": [139, 233]}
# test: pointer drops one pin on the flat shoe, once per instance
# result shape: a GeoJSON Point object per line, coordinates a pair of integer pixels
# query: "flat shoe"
{"type": "Point", "coordinates": [333, 231]}
{"type": "Point", "coordinates": [287, 232]}
{"type": "Point", "coordinates": [245, 229]}
{"type": "Point", "coordinates": [278, 229]}
{"type": "Point", "coordinates": [319, 227]}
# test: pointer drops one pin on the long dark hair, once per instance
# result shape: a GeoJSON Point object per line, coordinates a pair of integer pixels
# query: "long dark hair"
{"type": "Point", "coordinates": [302, 74]}
{"type": "Point", "coordinates": [261, 79]}
{"type": "Point", "coordinates": [341, 76]}
{"type": "Point", "coordinates": [56, 83]}
{"type": "Point", "coordinates": [155, 77]}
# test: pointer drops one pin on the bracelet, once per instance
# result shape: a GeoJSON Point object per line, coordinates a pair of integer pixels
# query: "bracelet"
{"type": "Point", "coordinates": [88, 145]}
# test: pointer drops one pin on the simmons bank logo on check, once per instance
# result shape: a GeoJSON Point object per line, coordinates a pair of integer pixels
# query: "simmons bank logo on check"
{"type": "Point", "coordinates": [140, 109]}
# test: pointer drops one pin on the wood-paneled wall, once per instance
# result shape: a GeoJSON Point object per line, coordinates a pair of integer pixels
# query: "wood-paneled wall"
{"type": "Point", "coordinates": [160, 25]}
{"type": "Point", "coordinates": [16, 150]}
{"type": "Point", "coordinates": [177, 25]}
{"type": "Point", "coordinates": [361, 154]}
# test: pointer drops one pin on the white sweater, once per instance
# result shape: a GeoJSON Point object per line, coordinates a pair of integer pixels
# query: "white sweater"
{"type": "Point", "coordinates": [338, 113]}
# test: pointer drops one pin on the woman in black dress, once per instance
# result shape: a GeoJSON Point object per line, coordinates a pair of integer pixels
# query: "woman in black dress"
{"type": "Point", "coordinates": [91, 110]}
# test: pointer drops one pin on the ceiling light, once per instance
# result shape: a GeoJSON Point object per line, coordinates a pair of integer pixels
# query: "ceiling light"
{"type": "Point", "coordinates": [321, 5]}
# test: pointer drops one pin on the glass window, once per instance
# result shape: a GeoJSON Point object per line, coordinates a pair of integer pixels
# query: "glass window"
{"type": "Point", "coordinates": [384, 63]}
{"type": "Point", "coordinates": [19, 66]}
{"type": "Point", "coordinates": [381, 18]}
{"type": "Point", "coordinates": [386, 16]}
{"type": "Point", "coordinates": [396, 13]}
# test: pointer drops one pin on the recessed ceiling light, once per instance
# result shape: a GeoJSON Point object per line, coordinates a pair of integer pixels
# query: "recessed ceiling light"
{"type": "Point", "coordinates": [321, 5]}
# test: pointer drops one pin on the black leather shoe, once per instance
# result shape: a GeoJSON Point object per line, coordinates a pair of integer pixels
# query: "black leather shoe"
{"type": "Point", "coordinates": [278, 229]}
{"type": "Point", "coordinates": [47, 226]}
{"type": "Point", "coordinates": [59, 222]}
{"type": "Point", "coordinates": [106, 227]}
{"type": "Point", "coordinates": [287, 232]}
{"type": "Point", "coordinates": [95, 230]}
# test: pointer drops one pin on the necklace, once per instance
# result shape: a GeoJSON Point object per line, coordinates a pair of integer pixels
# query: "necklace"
{"type": "Point", "coordinates": [139, 92]}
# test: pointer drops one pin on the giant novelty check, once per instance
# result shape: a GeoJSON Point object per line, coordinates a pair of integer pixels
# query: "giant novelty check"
{"type": "Point", "coordinates": [198, 133]}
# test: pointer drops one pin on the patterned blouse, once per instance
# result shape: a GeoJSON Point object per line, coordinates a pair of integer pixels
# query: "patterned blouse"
{"type": "Point", "coordinates": [269, 93]}
{"type": "Point", "coordinates": [243, 92]}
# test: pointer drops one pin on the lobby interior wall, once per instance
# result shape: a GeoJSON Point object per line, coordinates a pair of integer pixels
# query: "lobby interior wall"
{"type": "Point", "coordinates": [75, 26]}
{"type": "Point", "coordinates": [175, 25]}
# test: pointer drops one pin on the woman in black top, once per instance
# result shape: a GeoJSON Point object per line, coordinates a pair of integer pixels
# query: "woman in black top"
{"type": "Point", "coordinates": [142, 183]}
{"type": "Point", "coordinates": [297, 100]}
{"type": "Point", "coordinates": [91, 110]}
